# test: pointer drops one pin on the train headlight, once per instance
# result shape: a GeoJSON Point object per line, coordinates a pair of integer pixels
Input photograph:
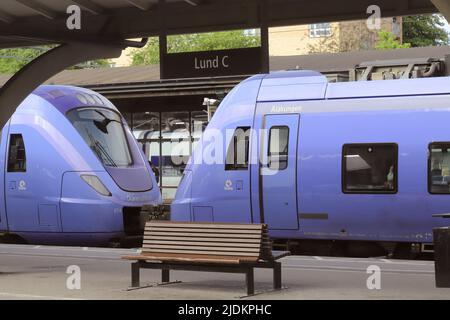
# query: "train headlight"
{"type": "Point", "coordinates": [96, 184]}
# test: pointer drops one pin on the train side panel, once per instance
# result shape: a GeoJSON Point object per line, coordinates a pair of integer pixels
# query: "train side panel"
{"type": "Point", "coordinates": [219, 194]}
{"type": "Point", "coordinates": [325, 211]}
{"type": "Point", "coordinates": [3, 215]}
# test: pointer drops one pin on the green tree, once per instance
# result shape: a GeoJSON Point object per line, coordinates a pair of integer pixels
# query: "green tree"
{"type": "Point", "coordinates": [194, 42]}
{"type": "Point", "coordinates": [425, 30]}
{"type": "Point", "coordinates": [387, 40]}
{"type": "Point", "coordinates": [12, 60]}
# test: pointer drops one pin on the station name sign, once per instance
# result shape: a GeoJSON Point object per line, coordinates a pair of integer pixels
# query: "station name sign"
{"type": "Point", "coordinates": [217, 63]}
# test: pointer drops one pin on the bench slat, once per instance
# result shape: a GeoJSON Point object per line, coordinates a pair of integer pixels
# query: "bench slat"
{"type": "Point", "coordinates": [231, 253]}
{"type": "Point", "coordinates": [151, 237]}
{"type": "Point", "coordinates": [203, 243]}
{"type": "Point", "coordinates": [197, 234]}
{"type": "Point", "coordinates": [197, 247]}
{"type": "Point", "coordinates": [192, 258]}
{"type": "Point", "coordinates": [203, 230]}
{"type": "Point", "coordinates": [172, 224]}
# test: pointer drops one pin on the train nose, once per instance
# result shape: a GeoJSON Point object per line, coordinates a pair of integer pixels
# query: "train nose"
{"type": "Point", "coordinates": [133, 179]}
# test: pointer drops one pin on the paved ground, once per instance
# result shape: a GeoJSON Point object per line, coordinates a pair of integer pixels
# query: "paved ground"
{"type": "Point", "coordinates": [39, 272]}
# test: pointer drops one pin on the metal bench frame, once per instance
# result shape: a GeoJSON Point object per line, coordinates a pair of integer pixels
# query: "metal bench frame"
{"type": "Point", "coordinates": [244, 268]}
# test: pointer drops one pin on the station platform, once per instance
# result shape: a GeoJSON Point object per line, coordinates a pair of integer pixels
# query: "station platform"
{"type": "Point", "coordinates": [39, 272]}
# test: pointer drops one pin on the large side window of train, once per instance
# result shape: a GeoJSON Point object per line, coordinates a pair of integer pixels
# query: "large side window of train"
{"type": "Point", "coordinates": [278, 147]}
{"type": "Point", "coordinates": [439, 168]}
{"type": "Point", "coordinates": [17, 161]}
{"type": "Point", "coordinates": [237, 153]}
{"type": "Point", "coordinates": [369, 168]}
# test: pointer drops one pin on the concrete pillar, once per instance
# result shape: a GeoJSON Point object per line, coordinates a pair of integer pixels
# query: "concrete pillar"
{"type": "Point", "coordinates": [44, 67]}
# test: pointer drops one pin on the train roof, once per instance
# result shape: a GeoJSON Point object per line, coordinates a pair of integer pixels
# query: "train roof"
{"type": "Point", "coordinates": [65, 98]}
{"type": "Point", "coordinates": [312, 85]}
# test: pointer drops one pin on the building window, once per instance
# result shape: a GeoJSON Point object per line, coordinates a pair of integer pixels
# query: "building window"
{"type": "Point", "coordinates": [238, 149]}
{"type": "Point", "coordinates": [319, 30]}
{"type": "Point", "coordinates": [369, 168]}
{"type": "Point", "coordinates": [278, 148]}
{"type": "Point", "coordinates": [251, 32]}
{"type": "Point", "coordinates": [17, 161]}
{"type": "Point", "coordinates": [439, 168]}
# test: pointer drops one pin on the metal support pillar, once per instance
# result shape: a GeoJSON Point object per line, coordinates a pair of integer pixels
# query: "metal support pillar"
{"type": "Point", "coordinates": [264, 29]}
{"type": "Point", "coordinates": [162, 38]}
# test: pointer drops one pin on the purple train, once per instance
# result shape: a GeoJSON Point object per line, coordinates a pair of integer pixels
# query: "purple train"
{"type": "Point", "coordinates": [353, 162]}
{"type": "Point", "coordinates": [72, 172]}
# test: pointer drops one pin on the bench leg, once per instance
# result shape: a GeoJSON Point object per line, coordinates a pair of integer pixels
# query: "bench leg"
{"type": "Point", "coordinates": [165, 275]}
{"type": "Point", "coordinates": [277, 276]}
{"type": "Point", "coordinates": [135, 276]}
{"type": "Point", "coordinates": [250, 280]}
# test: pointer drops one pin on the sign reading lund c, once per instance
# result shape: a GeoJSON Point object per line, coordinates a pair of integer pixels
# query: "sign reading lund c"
{"type": "Point", "coordinates": [217, 63]}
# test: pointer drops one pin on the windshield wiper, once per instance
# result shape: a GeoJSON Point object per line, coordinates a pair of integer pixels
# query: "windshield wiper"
{"type": "Point", "coordinates": [101, 151]}
{"type": "Point", "coordinates": [103, 125]}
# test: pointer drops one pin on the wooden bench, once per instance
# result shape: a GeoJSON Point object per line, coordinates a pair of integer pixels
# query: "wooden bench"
{"type": "Point", "coordinates": [210, 247]}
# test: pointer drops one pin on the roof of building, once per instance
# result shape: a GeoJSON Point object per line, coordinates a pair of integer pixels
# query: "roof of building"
{"type": "Point", "coordinates": [139, 79]}
{"type": "Point", "coordinates": [326, 63]}
{"type": "Point", "coordinates": [27, 22]}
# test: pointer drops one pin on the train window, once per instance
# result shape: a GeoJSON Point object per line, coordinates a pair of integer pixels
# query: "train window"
{"type": "Point", "coordinates": [439, 168]}
{"type": "Point", "coordinates": [238, 149]}
{"type": "Point", "coordinates": [369, 168]}
{"type": "Point", "coordinates": [16, 155]}
{"type": "Point", "coordinates": [103, 131]}
{"type": "Point", "coordinates": [278, 148]}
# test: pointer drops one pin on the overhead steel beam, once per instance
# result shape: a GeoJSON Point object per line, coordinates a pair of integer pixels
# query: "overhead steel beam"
{"type": "Point", "coordinates": [193, 2]}
{"type": "Point", "coordinates": [38, 8]}
{"type": "Point", "coordinates": [140, 4]}
{"type": "Point", "coordinates": [90, 6]}
{"type": "Point", "coordinates": [45, 66]}
{"type": "Point", "coordinates": [444, 7]}
{"type": "Point", "coordinates": [5, 17]}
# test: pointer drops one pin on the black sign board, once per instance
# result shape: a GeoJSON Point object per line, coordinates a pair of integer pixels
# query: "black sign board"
{"type": "Point", "coordinates": [230, 62]}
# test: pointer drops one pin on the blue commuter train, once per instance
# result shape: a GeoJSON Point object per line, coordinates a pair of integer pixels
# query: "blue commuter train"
{"type": "Point", "coordinates": [73, 173]}
{"type": "Point", "coordinates": [366, 161]}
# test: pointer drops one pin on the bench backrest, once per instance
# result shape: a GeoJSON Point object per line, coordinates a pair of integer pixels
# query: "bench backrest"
{"type": "Point", "coordinates": [246, 241]}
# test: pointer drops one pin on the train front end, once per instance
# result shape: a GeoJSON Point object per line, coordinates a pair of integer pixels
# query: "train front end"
{"type": "Point", "coordinates": [108, 188]}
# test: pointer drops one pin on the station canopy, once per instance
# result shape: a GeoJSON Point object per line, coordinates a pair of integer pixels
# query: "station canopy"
{"type": "Point", "coordinates": [31, 22]}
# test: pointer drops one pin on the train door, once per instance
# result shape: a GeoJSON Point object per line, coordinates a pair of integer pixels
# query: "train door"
{"type": "Point", "coordinates": [21, 202]}
{"type": "Point", "coordinates": [3, 217]}
{"type": "Point", "coordinates": [278, 171]}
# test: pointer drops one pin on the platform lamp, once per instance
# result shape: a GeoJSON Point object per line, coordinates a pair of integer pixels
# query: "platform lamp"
{"type": "Point", "coordinates": [211, 105]}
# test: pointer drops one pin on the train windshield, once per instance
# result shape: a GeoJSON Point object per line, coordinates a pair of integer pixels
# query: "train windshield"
{"type": "Point", "coordinates": [103, 131]}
